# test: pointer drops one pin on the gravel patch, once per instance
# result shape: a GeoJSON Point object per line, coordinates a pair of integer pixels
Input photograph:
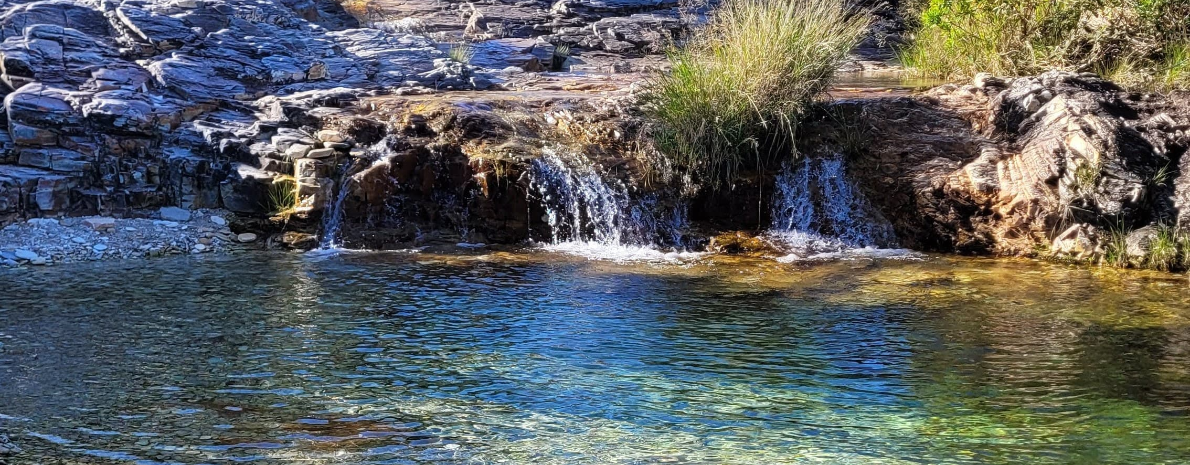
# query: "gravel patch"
{"type": "Point", "coordinates": [48, 241]}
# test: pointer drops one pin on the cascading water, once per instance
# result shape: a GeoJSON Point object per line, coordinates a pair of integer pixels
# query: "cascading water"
{"type": "Point", "coordinates": [587, 213]}
{"type": "Point", "coordinates": [816, 210]}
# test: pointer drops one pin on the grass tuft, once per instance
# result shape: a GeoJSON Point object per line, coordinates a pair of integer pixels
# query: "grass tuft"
{"type": "Point", "coordinates": [461, 52]}
{"type": "Point", "coordinates": [1163, 252]}
{"type": "Point", "coordinates": [741, 84]}
{"type": "Point", "coordinates": [1167, 250]}
{"type": "Point", "coordinates": [1174, 67]}
{"type": "Point", "coordinates": [559, 57]}
{"type": "Point", "coordinates": [1115, 250]}
{"type": "Point", "coordinates": [282, 197]}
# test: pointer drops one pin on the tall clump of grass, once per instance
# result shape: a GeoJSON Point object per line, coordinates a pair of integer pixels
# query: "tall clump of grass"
{"type": "Point", "coordinates": [740, 85]}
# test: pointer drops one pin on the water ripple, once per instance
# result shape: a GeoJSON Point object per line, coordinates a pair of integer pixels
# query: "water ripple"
{"type": "Point", "coordinates": [547, 358]}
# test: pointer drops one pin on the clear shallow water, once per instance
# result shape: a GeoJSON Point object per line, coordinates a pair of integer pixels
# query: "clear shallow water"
{"type": "Point", "coordinates": [553, 359]}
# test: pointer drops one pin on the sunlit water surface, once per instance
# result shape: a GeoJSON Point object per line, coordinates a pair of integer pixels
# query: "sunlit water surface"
{"type": "Point", "coordinates": [547, 358]}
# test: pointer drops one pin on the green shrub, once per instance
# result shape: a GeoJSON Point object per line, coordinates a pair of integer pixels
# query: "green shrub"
{"type": "Point", "coordinates": [958, 38]}
{"type": "Point", "coordinates": [740, 85]}
{"type": "Point", "coordinates": [1139, 43]}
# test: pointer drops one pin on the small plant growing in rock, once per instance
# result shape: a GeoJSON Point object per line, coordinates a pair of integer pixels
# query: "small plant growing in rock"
{"type": "Point", "coordinates": [852, 130]}
{"type": "Point", "coordinates": [1115, 250]}
{"type": "Point", "coordinates": [282, 197]}
{"type": "Point", "coordinates": [1086, 177]}
{"type": "Point", "coordinates": [461, 53]}
{"type": "Point", "coordinates": [560, 55]}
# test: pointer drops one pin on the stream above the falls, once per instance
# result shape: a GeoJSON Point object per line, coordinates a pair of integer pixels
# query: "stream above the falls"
{"type": "Point", "coordinates": [550, 358]}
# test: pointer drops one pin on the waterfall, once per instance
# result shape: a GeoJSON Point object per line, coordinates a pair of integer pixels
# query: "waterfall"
{"type": "Point", "coordinates": [816, 208]}
{"type": "Point", "coordinates": [332, 217]}
{"type": "Point", "coordinates": [585, 210]}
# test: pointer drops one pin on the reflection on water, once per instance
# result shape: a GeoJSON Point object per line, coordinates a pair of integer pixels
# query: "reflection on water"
{"type": "Point", "coordinates": [546, 358]}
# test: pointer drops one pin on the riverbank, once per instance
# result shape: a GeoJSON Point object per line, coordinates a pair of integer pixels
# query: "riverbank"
{"type": "Point", "coordinates": [169, 231]}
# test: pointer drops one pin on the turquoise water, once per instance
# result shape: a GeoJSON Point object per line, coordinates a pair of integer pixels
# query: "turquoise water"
{"type": "Point", "coordinates": [550, 359]}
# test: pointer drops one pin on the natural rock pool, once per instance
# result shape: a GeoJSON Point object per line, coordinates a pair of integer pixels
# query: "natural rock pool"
{"type": "Point", "coordinates": [550, 359]}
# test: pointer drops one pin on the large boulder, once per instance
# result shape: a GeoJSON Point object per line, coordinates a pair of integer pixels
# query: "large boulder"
{"type": "Point", "coordinates": [1013, 168]}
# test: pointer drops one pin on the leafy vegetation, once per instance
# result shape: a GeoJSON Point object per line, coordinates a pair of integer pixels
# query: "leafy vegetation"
{"type": "Point", "coordinates": [740, 85]}
{"type": "Point", "coordinates": [1139, 43]}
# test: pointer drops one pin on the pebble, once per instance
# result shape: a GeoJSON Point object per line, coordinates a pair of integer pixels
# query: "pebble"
{"type": "Point", "coordinates": [246, 237]}
{"type": "Point", "coordinates": [37, 261]}
{"type": "Point", "coordinates": [99, 247]}
{"type": "Point", "coordinates": [24, 254]}
{"type": "Point", "coordinates": [219, 220]}
{"type": "Point", "coordinates": [78, 240]}
{"type": "Point", "coordinates": [100, 223]}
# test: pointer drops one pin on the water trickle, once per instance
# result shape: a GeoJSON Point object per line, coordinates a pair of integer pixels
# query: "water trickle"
{"type": "Point", "coordinates": [349, 172]}
{"type": "Point", "coordinates": [583, 207]}
{"type": "Point", "coordinates": [816, 207]}
{"type": "Point", "coordinates": [332, 219]}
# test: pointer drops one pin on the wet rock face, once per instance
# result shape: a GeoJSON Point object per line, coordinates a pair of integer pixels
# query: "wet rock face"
{"type": "Point", "coordinates": [1013, 167]}
{"type": "Point", "coordinates": [139, 103]}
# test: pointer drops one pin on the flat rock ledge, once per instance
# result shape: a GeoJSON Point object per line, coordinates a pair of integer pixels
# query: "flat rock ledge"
{"type": "Point", "coordinates": [50, 241]}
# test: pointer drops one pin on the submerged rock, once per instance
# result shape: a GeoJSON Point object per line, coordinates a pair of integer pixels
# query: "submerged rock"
{"type": "Point", "coordinates": [743, 243]}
